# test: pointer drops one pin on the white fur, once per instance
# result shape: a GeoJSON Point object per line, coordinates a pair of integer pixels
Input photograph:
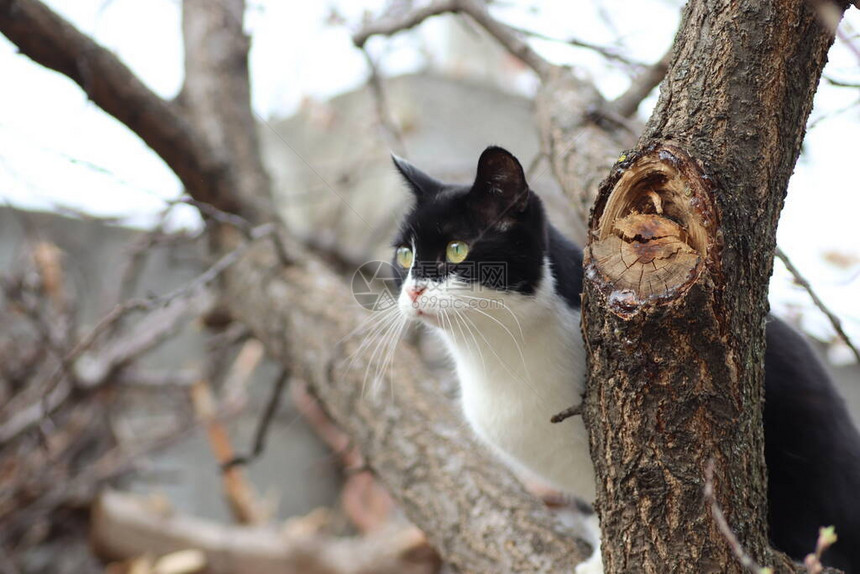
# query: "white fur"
{"type": "Point", "coordinates": [594, 564]}
{"type": "Point", "coordinates": [520, 360]}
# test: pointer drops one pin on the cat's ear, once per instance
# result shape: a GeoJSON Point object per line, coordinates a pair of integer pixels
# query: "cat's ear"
{"type": "Point", "coordinates": [501, 181]}
{"type": "Point", "coordinates": [421, 184]}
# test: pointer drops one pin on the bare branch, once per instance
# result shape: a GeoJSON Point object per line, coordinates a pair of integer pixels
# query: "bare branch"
{"type": "Point", "coordinates": [608, 53]}
{"type": "Point", "coordinates": [264, 423]}
{"type": "Point", "coordinates": [834, 320]}
{"type": "Point", "coordinates": [509, 38]}
{"type": "Point", "coordinates": [241, 496]}
{"type": "Point", "coordinates": [737, 548]}
{"type": "Point", "coordinates": [217, 98]}
{"type": "Point", "coordinates": [51, 41]}
{"type": "Point", "coordinates": [840, 83]}
{"type": "Point", "coordinates": [84, 485]}
{"type": "Point", "coordinates": [383, 111]}
{"type": "Point", "coordinates": [125, 526]}
{"type": "Point", "coordinates": [566, 414]}
{"type": "Point", "coordinates": [96, 369]}
{"type": "Point", "coordinates": [641, 86]}
{"type": "Point", "coordinates": [93, 371]}
{"type": "Point", "coordinates": [390, 25]}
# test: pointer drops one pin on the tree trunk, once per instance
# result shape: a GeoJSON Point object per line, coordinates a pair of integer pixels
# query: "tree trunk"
{"type": "Point", "coordinates": [676, 373]}
{"type": "Point", "coordinates": [680, 249]}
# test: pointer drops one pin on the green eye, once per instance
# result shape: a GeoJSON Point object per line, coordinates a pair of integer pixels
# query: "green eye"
{"type": "Point", "coordinates": [404, 257]}
{"type": "Point", "coordinates": [457, 251]}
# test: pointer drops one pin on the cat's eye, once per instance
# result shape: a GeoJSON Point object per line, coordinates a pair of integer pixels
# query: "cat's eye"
{"type": "Point", "coordinates": [456, 251]}
{"type": "Point", "coordinates": [404, 257]}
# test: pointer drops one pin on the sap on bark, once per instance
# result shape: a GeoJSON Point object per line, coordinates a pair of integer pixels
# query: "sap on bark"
{"type": "Point", "coordinates": [652, 229]}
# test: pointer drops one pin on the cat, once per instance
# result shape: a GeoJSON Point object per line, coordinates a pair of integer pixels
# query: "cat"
{"type": "Point", "coordinates": [482, 265]}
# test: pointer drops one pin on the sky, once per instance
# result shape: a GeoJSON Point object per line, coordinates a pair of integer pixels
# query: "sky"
{"type": "Point", "coordinates": [57, 150]}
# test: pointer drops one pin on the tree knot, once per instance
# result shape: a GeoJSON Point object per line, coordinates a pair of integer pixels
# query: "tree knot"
{"type": "Point", "coordinates": [651, 229]}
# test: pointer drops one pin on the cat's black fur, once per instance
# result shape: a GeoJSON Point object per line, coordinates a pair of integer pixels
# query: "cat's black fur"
{"type": "Point", "coordinates": [469, 213]}
{"type": "Point", "coordinates": [812, 448]}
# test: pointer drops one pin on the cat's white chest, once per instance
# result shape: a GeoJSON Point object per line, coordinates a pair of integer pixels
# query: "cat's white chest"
{"type": "Point", "coordinates": [518, 365]}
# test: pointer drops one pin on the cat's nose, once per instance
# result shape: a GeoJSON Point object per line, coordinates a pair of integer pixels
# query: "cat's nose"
{"type": "Point", "coordinates": [415, 292]}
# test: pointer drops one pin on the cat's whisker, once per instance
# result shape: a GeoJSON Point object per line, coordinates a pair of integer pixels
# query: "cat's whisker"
{"type": "Point", "coordinates": [379, 348]}
{"type": "Point", "coordinates": [387, 347]}
{"type": "Point", "coordinates": [376, 340]}
{"type": "Point", "coordinates": [395, 341]}
{"type": "Point", "coordinates": [475, 345]}
{"type": "Point", "coordinates": [503, 362]}
{"type": "Point", "coordinates": [380, 322]}
{"type": "Point", "coordinates": [392, 338]}
{"type": "Point", "coordinates": [505, 307]}
{"type": "Point", "coordinates": [512, 336]}
{"type": "Point", "coordinates": [466, 340]}
{"type": "Point", "coordinates": [371, 318]}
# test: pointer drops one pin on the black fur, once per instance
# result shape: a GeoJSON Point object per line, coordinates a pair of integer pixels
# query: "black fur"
{"type": "Point", "coordinates": [498, 216]}
{"type": "Point", "coordinates": [811, 446]}
{"type": "Point", "coordinates": [812, 450]}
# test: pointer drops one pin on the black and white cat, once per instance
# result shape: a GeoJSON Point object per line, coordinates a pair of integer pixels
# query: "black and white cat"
{"type": "Point", "coordinates": [482, 265]}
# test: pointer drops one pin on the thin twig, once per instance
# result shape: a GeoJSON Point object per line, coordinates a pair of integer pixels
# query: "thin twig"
{"type": "Point", "coordinates": [508, 37]}
{"type": "Point", "coordinates": [116, 462]}
{"type": "Point", "coordinates": [827, 537]}
{"type": "Point", "coordinates": [840, 83]}
{"type": "Point", "coordinates": [641, 86]}
{"type": "Point", "coordinates": [58, 388]}
{"type": "Point", "coordinates": [737, 548]}
{"type": "Point", "coordinates": [98, 368]}
{"type": "Point", "coordinates": [390, 25]}
{"type": "Point", "coordinates": [383, 110]}
{"type": "Point", "coordinates": [238, 490]}
{"type": "Point", "coordinates": [219, 215]}
{"type": "Point", "coordinates": [834, 320]}
{"type": "Point", "coordinates": [567, 413]}
{"type": "Point", "coordinates": [608, 53]}
{"type": "Point", "coordinates": [264, 423]}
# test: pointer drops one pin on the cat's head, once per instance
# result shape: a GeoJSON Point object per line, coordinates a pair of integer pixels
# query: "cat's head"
{"type": "Point", "coordinates": [469, 246]}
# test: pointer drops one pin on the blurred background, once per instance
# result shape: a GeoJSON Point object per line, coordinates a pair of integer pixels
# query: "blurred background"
{"type": "Point", "coordinates": [90, 218]}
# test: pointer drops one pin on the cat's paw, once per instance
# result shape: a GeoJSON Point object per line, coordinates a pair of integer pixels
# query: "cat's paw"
{"type": "Point", "coordinates": [594, 565]}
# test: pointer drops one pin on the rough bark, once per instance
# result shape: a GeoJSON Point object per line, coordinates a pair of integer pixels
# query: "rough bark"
{"type": "Point", "coordinates": [473, 510]}
{"type": "Point", "coordinates": [734, 67]}
{"type": "Point", "coordinates": [54, 43]}
{"type": "Point", "coordinates": [581, 133]}
{"type": "Point", "coordinates": [580, 141]}
{"type": "Point", "coordinates": [216, 96]}
{"type": "Point", "coordinates": [477, 516]}
{"type": "Point", "coordinates": [681, 245]}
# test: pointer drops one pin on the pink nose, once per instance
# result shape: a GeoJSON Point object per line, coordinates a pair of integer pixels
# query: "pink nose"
{"type": "Point", "coordinates": [415, 292]}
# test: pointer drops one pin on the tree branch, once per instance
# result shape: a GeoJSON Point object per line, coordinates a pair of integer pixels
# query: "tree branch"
{"type": "Point", "coordinates": [834, 320]}
{"type": "Point", "coordinates": [128, 526]}
{"type": "Point", "coordinates": [640, 87]}
{"type": "Point", "coordinates": [580, 149]}
{"type": "Point", "coordinates": [704, 292]}
{"type": "Point", "coordinates": [51, 41]}
{"type": "Point", "coordinates": [473, 511]}
{"type": "Point", "coordinates": [509, 38]}
{"type": "Point", "coordinates": [391, 24]}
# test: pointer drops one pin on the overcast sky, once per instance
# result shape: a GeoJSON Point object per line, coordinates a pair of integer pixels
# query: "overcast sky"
{"type": "Point", "coordinates": [56, 149]}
